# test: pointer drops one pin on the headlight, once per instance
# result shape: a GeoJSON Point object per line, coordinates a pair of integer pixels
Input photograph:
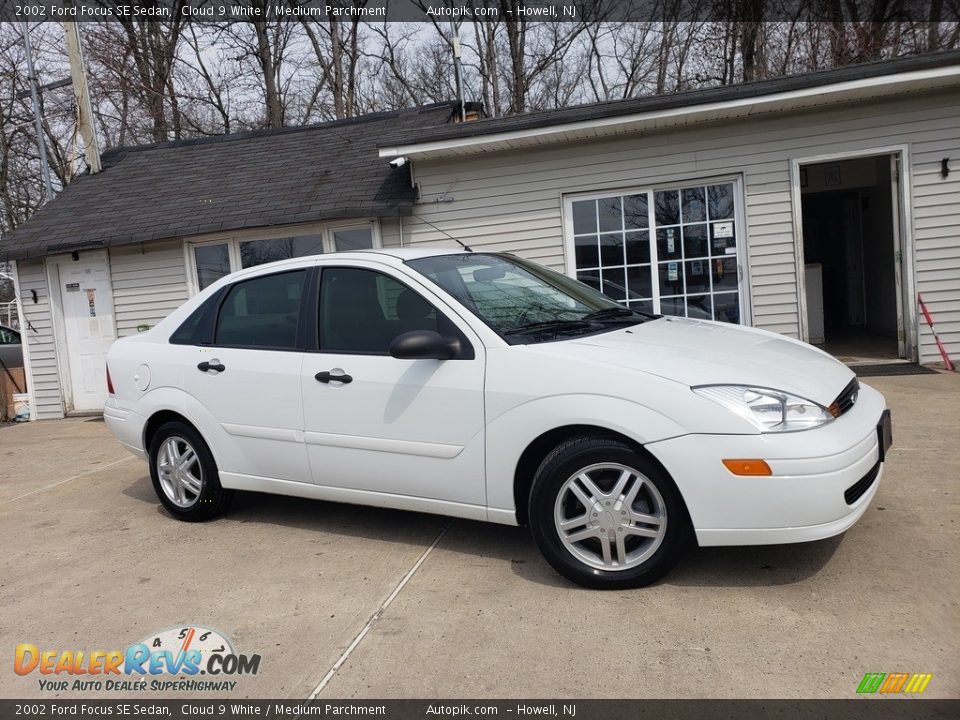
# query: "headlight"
{"type": "Point", "coordinates": [770, 410]}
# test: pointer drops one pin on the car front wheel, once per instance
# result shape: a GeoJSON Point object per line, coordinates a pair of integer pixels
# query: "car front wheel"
{"type": "Point", "coordinates": [185, 475]}
{"type": "Point", "coordinates": [605, 516]}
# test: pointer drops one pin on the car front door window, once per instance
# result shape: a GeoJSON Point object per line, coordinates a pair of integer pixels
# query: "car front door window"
{"type": "Point", "coordinates": [362, 311]}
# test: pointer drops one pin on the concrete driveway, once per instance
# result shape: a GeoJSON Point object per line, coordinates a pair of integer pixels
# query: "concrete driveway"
{"type": "Point", "coordinates": [91, 562]}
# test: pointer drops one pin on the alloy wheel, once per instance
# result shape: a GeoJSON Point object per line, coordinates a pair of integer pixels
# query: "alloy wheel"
{"type": "Point", "coordinates": [610, 516]}
{"type": "Point", "coordinates": [179, 471]}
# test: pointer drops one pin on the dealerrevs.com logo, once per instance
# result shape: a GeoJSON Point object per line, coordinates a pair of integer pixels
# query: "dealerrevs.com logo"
{"type": "Point", "coordinates": [191, 658]}
{"type": "Point", "coordinates": [894, 683]}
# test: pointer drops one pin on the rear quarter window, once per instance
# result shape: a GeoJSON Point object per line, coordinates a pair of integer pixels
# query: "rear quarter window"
{"type": "Point", "coordinates": [197, 329]}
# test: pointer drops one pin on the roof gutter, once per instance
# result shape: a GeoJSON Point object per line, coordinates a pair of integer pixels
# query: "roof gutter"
{"type": "Point", "coordinates": [823, 94]}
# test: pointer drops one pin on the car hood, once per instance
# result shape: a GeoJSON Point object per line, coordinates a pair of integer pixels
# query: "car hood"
{"type": "Point", "coordinates": [699, 352]}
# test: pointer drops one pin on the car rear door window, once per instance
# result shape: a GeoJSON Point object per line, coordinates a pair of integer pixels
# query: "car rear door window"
{"type": "Point", "coordinates": [263, 312]}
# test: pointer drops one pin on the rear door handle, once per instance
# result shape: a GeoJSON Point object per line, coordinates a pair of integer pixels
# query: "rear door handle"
{"type": "Point", "coordinates": [215, 365]}
{"type": "Point", "coordinates": [326, 377]}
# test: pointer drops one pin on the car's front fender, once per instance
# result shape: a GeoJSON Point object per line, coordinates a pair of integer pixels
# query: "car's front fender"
{"type": "Point", "coordinates": [509, 435]}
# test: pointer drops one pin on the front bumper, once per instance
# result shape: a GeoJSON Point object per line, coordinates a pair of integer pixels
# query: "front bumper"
{"type": "Point", "coordinates": [127, 426]}
{"type": "Point", "coordinates": [804, 497]}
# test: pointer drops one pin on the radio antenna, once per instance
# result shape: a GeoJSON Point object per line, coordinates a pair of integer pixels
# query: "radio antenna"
{"type": "Point", "coordinates": [444, 232]}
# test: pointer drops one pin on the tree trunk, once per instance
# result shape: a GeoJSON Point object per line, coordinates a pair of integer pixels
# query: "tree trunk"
{"type": "Point", "coordinates": [274, 106]}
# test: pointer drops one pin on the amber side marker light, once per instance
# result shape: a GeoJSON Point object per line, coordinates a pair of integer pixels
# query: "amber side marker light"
{"type": "Point", "coordinates": [747, 467]}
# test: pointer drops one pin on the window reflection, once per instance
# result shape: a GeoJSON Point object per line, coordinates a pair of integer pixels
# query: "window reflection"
{"type": "Point", "coordinates": [213, 263]}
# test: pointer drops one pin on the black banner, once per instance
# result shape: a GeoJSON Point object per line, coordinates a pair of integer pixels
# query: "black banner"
{"type": "Point", "coordinates": [855, 709]}
{"type": "Point", "coordinates": [479, 10]}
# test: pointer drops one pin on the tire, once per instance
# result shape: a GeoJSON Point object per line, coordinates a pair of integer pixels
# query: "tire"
{"type": "Point", "coordinates": [645, 537]}
{"type": "Point", "coordinates": [193, 492]}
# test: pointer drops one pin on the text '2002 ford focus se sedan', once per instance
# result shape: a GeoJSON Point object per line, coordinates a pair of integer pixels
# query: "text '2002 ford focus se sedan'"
{"type": "Point", "coordinates": [483, 386]}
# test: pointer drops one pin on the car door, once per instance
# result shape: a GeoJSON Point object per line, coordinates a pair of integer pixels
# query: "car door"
{"type": "Point", "coordinates": [11, 352]}
{"type": "Point", "coordinates": [247, 376]}
{"type": "Point", "coordinates": [380, 424]}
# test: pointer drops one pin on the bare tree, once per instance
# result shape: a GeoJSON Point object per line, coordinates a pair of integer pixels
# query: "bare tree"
{"type": "Point", "coordinates": [262, 48]}
{"type": "Point", "coordinates": [206, 91]}
{"type": "Point", "coordinates": [138, 54]}
{"type": "Point", "coordinates": [21, 180]}
{"type": "Point", "coordinates": [398, 65]}
{"type": "Point", "coordinates": [338, 53]}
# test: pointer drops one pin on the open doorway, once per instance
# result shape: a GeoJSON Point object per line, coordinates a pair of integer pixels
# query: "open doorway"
{"type": "Point", "coordinates": [851, 245]}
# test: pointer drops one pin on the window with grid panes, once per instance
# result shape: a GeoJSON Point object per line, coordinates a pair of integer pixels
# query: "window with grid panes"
{"type": "Point", "coordinates": [671, 251]}
{"type": "Point", "coordinates": [612, 240]}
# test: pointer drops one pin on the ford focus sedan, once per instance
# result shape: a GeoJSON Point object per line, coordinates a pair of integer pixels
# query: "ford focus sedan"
{"type": "Point", "coordinates": [484, 386]}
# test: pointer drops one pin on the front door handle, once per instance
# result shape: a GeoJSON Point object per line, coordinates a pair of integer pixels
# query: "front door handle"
{"type": "Point", "coordinates": [215, 365]}
{"type": "Point", "coordinates": [326, 377]}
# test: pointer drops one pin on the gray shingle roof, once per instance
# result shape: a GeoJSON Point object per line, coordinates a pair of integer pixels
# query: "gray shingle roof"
{"type": "Point", "coordinates": [255, 179]}
{"type": "Point", "coordinates": [413, 135]}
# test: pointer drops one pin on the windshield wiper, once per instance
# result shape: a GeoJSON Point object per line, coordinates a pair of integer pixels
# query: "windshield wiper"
{"type": "Point", "coordinates": [614, 313]}
{"type": "Point", "coordinates": [555, 325]}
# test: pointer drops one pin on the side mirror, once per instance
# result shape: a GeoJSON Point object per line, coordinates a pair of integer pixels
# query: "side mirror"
{"type": "Point", "coordinates": [422, 345]}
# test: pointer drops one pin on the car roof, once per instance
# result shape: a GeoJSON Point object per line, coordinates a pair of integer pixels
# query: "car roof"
{"type": "Point", "coordinates": [409, 253]}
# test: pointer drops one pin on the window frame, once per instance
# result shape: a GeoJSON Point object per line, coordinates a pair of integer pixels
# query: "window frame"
{"type": "Point", "coordinates": [744, 287]}
{"type": "Point", "coordinates": [466, 351]}
{"type": "Point", "coordinates": [233, 240]}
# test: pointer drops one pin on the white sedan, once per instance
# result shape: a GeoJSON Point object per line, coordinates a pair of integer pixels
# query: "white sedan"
{"type": "Point", "coordinates": [484, 386]}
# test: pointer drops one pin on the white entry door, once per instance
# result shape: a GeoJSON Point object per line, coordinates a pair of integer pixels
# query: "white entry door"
{"type": "Point", "coordinates": [89, 328]}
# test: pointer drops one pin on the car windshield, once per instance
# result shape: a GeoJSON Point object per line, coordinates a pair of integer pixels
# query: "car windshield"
{"type": "Point", "coordinates": [522, 301]}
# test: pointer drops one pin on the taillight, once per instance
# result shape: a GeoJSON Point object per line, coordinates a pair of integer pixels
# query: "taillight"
{"type": "Point", "coordinates": [109, 382]}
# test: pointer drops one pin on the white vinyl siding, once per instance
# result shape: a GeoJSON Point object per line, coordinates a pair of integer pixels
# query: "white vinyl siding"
{"type": "Point", "coordinates": [149, 282]}
{"type": "Point", "coordinates": [390, 231]}
{"type": "Point", "coordinates": [936, 232]}
{"type": "Point", "coordinates": [38, 333]}
{"type": "Point", "coordinates": [513, 201]}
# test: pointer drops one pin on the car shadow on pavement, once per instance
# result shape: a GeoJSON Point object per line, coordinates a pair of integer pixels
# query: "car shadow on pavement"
{"type": "Point", "coordinates": [372, 523]}
{"type": "Point", "coordinates": [753, 566]}
{"type": "Point", "coordinates": [756, 566]}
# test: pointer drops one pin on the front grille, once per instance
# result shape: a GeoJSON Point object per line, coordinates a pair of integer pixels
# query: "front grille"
{"type": "Point", "coordinates": [846, 399]}
{"type": "Point", "coordinates": [856, 491]}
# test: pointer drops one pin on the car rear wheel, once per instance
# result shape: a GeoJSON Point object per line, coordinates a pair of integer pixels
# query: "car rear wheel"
{"type": "Point", "coordinates": [185, 475]}
{"type": "Point", "coordinates": [605, 516]}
